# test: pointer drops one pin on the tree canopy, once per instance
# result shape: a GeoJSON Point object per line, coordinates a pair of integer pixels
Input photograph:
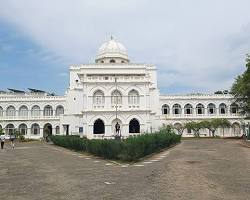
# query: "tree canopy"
{"type": "Point", "coordinates": [241, 89]}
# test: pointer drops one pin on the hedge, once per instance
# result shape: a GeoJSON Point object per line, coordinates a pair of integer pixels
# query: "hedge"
{"type": "Point", "coordinates": [130, 149]}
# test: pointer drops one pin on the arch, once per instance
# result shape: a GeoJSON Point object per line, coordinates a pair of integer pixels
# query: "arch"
{"type": "Point", "coordinates": [23, 111]}
{"type": "Point", "coordinates": [59, 110]}
{"type": "Point", "coordinates": [133, 97]}
{"type": "Point", "coordinates": [35, 111]}
{"type": "Point", "coordinates": [200, 109]}
{"type": "Point", "coordinates": [1, 111]}
{"type": "Point", "coordinates": [48, 111]}
{"type": "Point", "coordinates": [234, 108]}
{"type": "Point", "coordinates": [99, 127]}
{"type": "Point", "coordinates": [23, 129]}
{"type": "Point", "coordinates": [134, 126]}
{"type": "Point", "coordinates": [188, 109]}
{"type": "Point", "coordinates": [236, 128]}
{"type": "Point", "coordinates": [116, 97]}
{"type": "Point", "coordinates": [47, 130]}
{"type": "Point", "coordinates": [98, 97]}
{"type": "Point", "coordinates": [35, 129]}
{"type": "Point", "coordinates": [11, 111]}
{"type": "Point", "coordinates": [10, 129]}
{"type": "Point", "coordinates": [176, 109]}
{"type": "Point", "coordinates": [211, 109]}
{"type": "Point", "coordinates": [57, 130]}
{"type": "Point", "coordinates": [223, 109]}
{"type": "Point", "coordinates": [112, 61]}
{"type": "Point", "coordinates": [165, 109]}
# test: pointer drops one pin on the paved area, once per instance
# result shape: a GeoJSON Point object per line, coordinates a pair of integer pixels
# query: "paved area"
{"type": "Point", "coordinates": [195, 169]}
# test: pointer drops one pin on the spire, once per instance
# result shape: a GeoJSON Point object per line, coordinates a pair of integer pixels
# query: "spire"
{"type": "Point", "coordinates": [111, 37]}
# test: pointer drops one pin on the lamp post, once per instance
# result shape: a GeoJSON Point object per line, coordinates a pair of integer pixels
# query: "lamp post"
{"type": "Point", "coordinates": [117, 125]}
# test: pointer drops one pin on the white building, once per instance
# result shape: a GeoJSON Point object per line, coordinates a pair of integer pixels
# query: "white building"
{"type": "Point", "coordinates": [111, 90]}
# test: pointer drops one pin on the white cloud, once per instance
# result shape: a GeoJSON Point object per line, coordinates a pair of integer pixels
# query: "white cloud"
{"type": "Point", "coordinates": [195, 44]}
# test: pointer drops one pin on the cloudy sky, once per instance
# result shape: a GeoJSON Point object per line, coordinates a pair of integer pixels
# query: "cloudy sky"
{"type": "Point", "coordinates": [197, 45]}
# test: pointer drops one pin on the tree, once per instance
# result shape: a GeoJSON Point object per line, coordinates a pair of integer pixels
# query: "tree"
{"type": "Point", "coordinates": [179, 127]}
{"type": "Point", "coordinates": [194, 126]}
{"type": "Point", "coordinates": [213, 124]}
{"type": "Point", "coordinates": [225, 124]}
{"type": "Point", "coordinates": [241, 89]}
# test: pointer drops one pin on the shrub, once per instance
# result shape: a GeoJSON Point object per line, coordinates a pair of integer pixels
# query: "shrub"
{"type": "Point", "coordinates": [130, 149]}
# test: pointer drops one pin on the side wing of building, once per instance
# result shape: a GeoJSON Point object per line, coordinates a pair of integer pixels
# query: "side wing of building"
{"type": "Point", "coordinates": [180, 109]}
{"type": "Point", "coordinates": [31, 114]}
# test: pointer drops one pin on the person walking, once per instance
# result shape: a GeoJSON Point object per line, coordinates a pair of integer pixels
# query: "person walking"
{"type": "Point", "coordinates": [12, 140]}
{"type": "Point", "coordinates": [2, 139]}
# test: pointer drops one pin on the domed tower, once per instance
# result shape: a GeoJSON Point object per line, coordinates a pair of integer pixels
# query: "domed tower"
{"type": "Point", "coordinates": [112, 52]}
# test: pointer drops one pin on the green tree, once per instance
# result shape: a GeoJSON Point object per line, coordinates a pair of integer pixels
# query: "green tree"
{"type": "Point", "coordinates": [241, 89]}
{"type": "Point", "coordinates": [213, 124]}
{"type": "Point", "coordinates": [225, 123]}
{"type": "Point", "coordinates": [179, 127]}
{"type": "Point", "coordinates": [195, 127]}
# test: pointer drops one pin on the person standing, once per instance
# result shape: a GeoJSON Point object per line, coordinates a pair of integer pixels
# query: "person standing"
{"type": "Point", "coordinates": [12, 140]}
{"type": "Point", "coordinates": [2, 138]}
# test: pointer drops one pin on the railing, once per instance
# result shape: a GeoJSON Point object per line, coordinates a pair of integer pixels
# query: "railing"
{"type": "Point", "coordinates": [201, 115]}
{"type": "Point", "coordinates": [27, 117]}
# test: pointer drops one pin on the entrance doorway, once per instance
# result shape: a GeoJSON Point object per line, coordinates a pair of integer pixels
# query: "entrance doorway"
{"type": "Point", "coordinates": [134, 126]}
{"type": "Point", "coordinates": [99, 127]}
{"type": "Point", "coordinates": [47, 130]}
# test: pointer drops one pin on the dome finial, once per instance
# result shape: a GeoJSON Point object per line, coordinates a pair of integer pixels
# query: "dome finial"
{"type": "Point", "coordinates": [111, 37]}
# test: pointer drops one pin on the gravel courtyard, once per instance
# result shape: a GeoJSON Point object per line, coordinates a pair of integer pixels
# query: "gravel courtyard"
{"type": "Point", "coordinates": [195, 169]}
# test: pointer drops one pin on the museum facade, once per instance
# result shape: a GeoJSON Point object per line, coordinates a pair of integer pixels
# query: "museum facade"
{"type": "Point", "coordinates": [112, 90]}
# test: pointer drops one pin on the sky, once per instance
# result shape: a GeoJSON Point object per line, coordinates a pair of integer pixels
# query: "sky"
{"type": "Point", "coordinates": [198, 46]}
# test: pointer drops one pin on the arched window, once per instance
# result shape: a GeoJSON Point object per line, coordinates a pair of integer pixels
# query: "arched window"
{"type": "Point", "coordinates": [200, 109]}
{"type": "Point", "coordinates": [188, 109]}
{"type": "Point", "coordinates": [1, 111]}
{"type": "Point", "coordinates": [98, 98]}
{"type": "Point", "coordinates": [23, 129]}
{"type": "Point", "coordinates": [99, 127]}
{"type": "Point", "coordinates": [211, 109]}
{"type": "Point", "coordinates": [10, 129]}
{"type": "Point", "coordinates": [23, 111]}
{"type": "Point", "coordinates": [11, 111]}
{"type": "Point", "coordinates": [48, 111]}
{"type": "Point", "coordinates": [35, 111]}
{"type": "Point", "coordinates": [134, 126]}
{"type": "Point", "coordinates": [57, 130]}
{"type": "Point", "coordinates": [236, 129]}
{"type": "Point", "coordinates": [165, 109]}
{"type": "Point", "coordinates": [116, 97]}
{"type": "Point", "coordinates": [35, 129]}
{"type": "Point", "coordinates": [112, 61]}
{"type": "Point", "coordinates": [222, 109]}
{"type": "Point", "coordinates": [47, 130]}
{"type": "Point", "coordinates": [234, 108]}
{"type": "Point", "coordinates": [59, 110]}
{"type": "Point", "coordinates": [176, 109]}
{"type": "Point", "coordinates": [133, 97]}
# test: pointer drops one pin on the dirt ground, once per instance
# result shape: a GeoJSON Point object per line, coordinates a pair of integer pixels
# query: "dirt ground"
{"type": "Point", "coordinates": [195, 169]}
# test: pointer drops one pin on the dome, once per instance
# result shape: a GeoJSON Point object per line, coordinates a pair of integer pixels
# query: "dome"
{"type": "Point", "coordinates": [112, 50]}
